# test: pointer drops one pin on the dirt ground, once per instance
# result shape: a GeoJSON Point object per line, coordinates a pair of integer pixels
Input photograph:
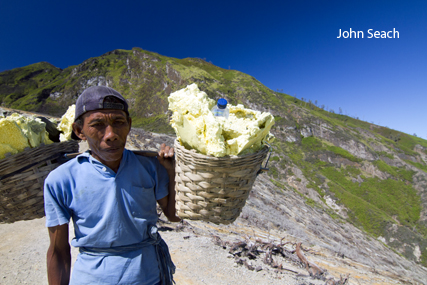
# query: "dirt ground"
{"type": "Point", "coordinates": [198, 259]}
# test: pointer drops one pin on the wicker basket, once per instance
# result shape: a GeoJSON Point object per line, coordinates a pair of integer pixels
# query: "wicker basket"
{"type": "Point", "coordinates": [22, 177]}
{"type": "Point", "coordinates": [214, 189]}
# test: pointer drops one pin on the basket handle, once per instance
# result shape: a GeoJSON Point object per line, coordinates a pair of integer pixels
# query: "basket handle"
{"type": "Point", "coordinates": [149, 153]}
{"type": "Point", "coordinates": [265, 168]}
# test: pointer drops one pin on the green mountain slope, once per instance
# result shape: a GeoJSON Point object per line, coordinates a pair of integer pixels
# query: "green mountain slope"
{"type": "Point", "coordinates": [371, 176]}
{"type": "Point", "coordinates": [146, 79]}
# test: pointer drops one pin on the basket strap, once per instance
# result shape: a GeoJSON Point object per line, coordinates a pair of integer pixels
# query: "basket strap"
{"type": "Point", "coordinates": [149, 153]}
{"type": "Point", "coordinates": [265, 168]}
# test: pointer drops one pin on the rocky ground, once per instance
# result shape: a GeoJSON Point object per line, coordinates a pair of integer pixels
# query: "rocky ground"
{"type": "Point", "coordinates": [273, 220]}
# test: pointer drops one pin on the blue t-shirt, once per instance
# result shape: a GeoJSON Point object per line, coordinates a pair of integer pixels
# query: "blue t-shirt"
{"type": "Point", "coordinates": [108, 209]}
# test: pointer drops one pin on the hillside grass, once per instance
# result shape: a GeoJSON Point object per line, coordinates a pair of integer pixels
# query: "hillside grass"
{"type": "Point", "coordinates": [153, 124]}
{"type": "Point", "coordinates": [397, 172]}
{"type": "Point", "coordinates": [26, 87]}
{"type": "Point", "coordinates": [373, 203]}
{"type": "Point", "coordinates": [418, 165]}
{"type": "Point", "coordinates": [382, 199]}
{"type": "Point", "coordinates": [397, 140]}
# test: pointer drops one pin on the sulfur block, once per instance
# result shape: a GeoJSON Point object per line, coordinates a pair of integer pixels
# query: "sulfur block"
{"type": "Point", "coordinates": [197, 128]}
{"type": "Point", "coordinates": [5, 148]}
{"type": "Point", "coordinates": [12, 135]}
{"type": "Point", "coordinates": [33, 128]}
{"type": "Point", "coordinates": [65, 125]}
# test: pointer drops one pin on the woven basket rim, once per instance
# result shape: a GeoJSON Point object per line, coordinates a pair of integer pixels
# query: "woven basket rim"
{"type": "Point", "coordinates": [36, 154]}
{"type": "Point", "coordinates": [227, 158]}
{"type": "Point", "coordinates": [22, 178]}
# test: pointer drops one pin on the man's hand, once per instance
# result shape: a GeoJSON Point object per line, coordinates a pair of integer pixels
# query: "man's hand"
{"type": "Point", "coordinates": [166, 158]}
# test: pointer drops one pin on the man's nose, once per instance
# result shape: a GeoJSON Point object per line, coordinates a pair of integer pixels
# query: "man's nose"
{"type": "Point", "coordinates": [110, 133]}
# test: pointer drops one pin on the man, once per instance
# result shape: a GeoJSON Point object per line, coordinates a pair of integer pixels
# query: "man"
{"type": "Point", "coordinates": [110, 193]}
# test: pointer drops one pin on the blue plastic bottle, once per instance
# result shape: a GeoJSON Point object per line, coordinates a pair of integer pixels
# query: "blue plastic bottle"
{"type": "Point", "coordinates": [220, 109]}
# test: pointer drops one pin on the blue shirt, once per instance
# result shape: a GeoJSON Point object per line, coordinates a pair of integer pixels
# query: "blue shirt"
{"type": "Point", "coordinates": [108, 209]}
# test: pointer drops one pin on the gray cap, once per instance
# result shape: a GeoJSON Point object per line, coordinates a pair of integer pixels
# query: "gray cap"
{"type": "Point", "coordinates": [96, 98]}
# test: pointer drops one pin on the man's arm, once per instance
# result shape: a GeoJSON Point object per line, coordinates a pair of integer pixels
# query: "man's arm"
{"type": "Point", "coordinates": [166, 158]}
{"type": "Point", "coordinates": [58, 256]}
{"type": "Point", "coordinates": [168, 203]}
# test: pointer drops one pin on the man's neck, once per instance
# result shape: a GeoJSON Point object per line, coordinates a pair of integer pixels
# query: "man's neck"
{"type": "Point", "coordinates": [113, 165]}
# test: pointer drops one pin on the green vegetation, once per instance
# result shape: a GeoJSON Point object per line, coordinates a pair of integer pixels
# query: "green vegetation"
{"type": "Point", "coordinates": [310, 202]}
{"type": "Point", "coordinates": [275, 158]}
{"type": "Point", "coordinates": [375, 201]}
{"type": "Point", "coordinates": [312, 144]}
{"type": "Point", "coordinates": [404, 142]}
{"type": "Point", "coordinates": [278, 184]}
{"type": "Point", "coordinates": [28, 85]}
{"type": "Point", "coordinates": [273, 172]}
{"type": "Point", "coordinates": [153, 124]}
{"type": "Point", "coordinates": [383, 153]}
{"type": "Point", "coordinates": [343, 153]}
{"type": "Point", "coordinates": [418, 165]}
{"type": "Point", "coordinates": [237, 87]}
{"type": "Point", "coordinates": [397, 172]}
{"type": "Point", "coordinates": [373, 204]}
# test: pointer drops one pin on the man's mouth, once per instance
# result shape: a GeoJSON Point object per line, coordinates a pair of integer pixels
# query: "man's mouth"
{"type": "Point", "coordinates": [112, 149]}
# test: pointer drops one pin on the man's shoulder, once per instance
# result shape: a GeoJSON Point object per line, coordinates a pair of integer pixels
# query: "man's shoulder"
{"type": "Point", "coordinates": [65, 170]}
{"type": "Point", "coordinates": [150, 163]}
{"type": "Point", "coordinates": [144, 159]}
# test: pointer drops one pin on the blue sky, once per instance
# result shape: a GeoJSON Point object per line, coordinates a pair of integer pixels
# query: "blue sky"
{"type": "Point", "coordinates": [289, 45]}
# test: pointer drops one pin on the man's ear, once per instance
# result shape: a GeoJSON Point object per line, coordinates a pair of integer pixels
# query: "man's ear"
{"type": "Point", "coordinates": [78, 131]}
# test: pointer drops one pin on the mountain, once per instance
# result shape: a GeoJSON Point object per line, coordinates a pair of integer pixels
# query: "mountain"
{"type": "Point", "coordinates": [351, 171]}
{"type": "Point", "coordinates": [145, 79]}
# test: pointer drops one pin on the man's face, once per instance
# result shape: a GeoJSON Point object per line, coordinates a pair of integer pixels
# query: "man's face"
{"type": "Point", "coordinates": [106, 132]}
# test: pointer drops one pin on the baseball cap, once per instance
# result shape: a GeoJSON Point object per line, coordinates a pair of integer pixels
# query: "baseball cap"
{"type": "Point", "coordinates": [96, 98]}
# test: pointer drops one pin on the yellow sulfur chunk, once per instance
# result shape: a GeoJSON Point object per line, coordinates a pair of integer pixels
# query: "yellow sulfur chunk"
{"type": "Point", "coordinates": [66, 123]}
{"type": "Point", "coordinates": [194, 123]}
{"type": "Point", "coordinates": [18, 132]}
{"type": "Point", "coordinates": [5, 148]}
{"type": "Point", "coordinates": [33, 128]}
{"type": "Point", "coordinates": [12, 135]}
{"type": "Point", "coordinates": [197, 128]}
{"type": "Point", "coordinates": [247, 129]}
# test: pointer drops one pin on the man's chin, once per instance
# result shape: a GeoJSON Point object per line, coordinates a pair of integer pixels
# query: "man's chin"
{"type": "Point", "coordinates": [112, 154]}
